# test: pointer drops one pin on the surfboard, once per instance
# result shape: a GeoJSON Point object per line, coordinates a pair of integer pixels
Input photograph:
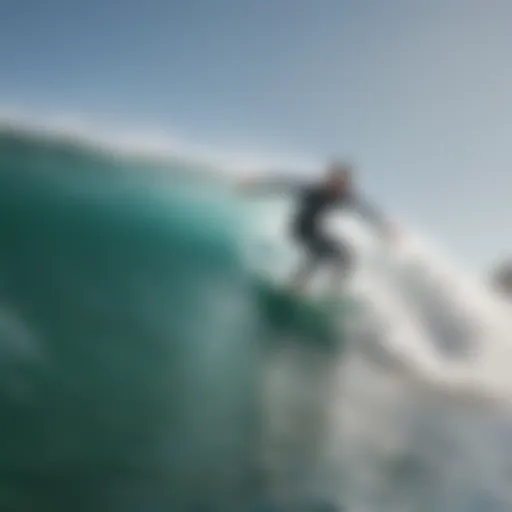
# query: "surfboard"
{"type": "Point", "coordinates": [315, 319]}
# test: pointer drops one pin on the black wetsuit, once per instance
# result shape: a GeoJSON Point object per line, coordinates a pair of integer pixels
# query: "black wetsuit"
{"type": "Point", "coordinates": [314, 203]}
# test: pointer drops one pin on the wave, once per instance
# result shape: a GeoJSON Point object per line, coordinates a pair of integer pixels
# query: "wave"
{"type": "Point", "coordinates": [140, 368]}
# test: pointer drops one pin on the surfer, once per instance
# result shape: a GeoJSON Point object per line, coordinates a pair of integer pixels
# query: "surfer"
{"type": "Point", "coordinates": [336, 190]}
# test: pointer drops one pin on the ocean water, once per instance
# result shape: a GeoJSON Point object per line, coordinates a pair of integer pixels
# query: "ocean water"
{"type": "Point", "coordinates": [140, 369]}
{"type": "Point", "coordinates": [128, 356]}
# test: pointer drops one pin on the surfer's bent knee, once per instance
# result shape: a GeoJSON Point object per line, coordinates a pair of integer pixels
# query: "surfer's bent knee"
{"type": "Point", "coordinates": [344, 258]}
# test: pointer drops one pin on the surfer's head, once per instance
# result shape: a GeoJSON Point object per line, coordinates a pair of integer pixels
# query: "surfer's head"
{"type": "Point", "coordinates": [339, 177]}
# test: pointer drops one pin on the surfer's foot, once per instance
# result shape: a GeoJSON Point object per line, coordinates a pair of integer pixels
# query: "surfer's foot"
{"type": "Point", "coordinates": [299, 286]}
{"type": "Point", "coordinates": [298, 289]}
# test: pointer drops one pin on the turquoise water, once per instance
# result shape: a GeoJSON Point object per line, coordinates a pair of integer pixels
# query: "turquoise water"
{"type": "Point", "coordinates": [130, 334]}
{"type": "Point", "coordinates": [146, 367]}
{"type": "Point", "coordinates": [127, 379]}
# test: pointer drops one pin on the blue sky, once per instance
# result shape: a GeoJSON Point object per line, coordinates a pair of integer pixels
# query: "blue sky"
{"type": "Point", "coordinates": [418, 94]}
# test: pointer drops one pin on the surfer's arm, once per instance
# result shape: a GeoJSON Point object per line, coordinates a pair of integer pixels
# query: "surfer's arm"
{"type": "Point", "coordinates": [370, 213]}
{"type": "Point", "coordinates": [271, 186]}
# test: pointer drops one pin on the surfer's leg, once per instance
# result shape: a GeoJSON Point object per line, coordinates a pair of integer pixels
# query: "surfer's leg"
{"type": "Point", "coordinates": [304, 274]}
{"type": "Point", "coordinates": [341, 257]}
{"type": "Point", "coordinates": [302, 278]}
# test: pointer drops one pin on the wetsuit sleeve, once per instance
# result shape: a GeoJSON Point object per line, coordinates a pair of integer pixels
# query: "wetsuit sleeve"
{"type": "Point", "coordinates": [278, 186]}
{"type": "Point", "coordinates": [368, 212]}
